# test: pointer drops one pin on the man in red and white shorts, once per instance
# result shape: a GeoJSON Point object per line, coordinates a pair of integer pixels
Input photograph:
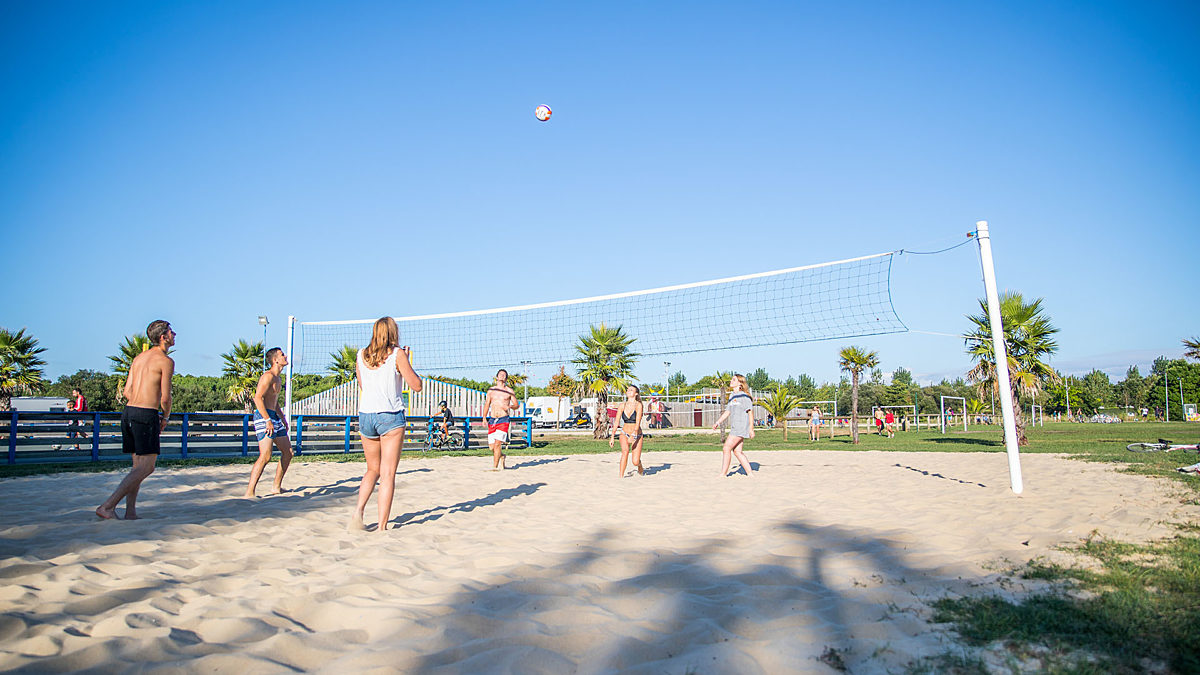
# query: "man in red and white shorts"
{"type": "Point", "coordinates": [500, 400]}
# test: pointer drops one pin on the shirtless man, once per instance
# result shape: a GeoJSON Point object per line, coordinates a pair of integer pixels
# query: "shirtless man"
{"type": "Point", "coordinates": [500, 399]}
{"type": "Point", "coordinates": [147, 388]}
{"type": "Point", "coordinates": [269, 424]}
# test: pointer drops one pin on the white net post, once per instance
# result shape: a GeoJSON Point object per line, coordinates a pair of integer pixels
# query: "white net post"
{"type": "Point", "coordinates": [287, 398]}
{"type": "Point", "coordinates": [1000, 352]}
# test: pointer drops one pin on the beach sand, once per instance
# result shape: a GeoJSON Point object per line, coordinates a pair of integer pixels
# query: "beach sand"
{"type": "Point", "coordinates": [554, 566]}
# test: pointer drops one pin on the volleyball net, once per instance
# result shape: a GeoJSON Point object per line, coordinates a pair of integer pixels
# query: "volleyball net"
{"type": "Point", "coordinates": [841, 299]}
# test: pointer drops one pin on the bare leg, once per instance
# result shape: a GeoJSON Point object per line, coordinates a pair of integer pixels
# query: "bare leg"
{"type": "Point", "coordinates": [143, 466]}
{"type": "Point", "coordinates": [264, 457]}
{"type": "Point", "coordinates": [371, 453]}
{"type": "Point", "coordinates": [637, 456]}
{"type": "Point", "coordinates": [497, 455]}
{"type": "Point", "coordinates": [624, 453]}
{"type": "Point", "coordinates": [741, 457]}
{"type": "Point", "coordinates": [391, 444]}
{"type": "Point", "coordinates": [285, 460]}
{"type": "Point", "coordinates": [726, 454]}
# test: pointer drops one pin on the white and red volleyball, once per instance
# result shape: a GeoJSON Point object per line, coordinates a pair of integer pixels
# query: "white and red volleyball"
{"type": "Point", "coordinates": [542, 112]}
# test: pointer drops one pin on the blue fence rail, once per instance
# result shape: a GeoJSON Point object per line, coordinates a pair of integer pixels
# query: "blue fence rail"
{"type": "Point", "coordinates": [62, 437]}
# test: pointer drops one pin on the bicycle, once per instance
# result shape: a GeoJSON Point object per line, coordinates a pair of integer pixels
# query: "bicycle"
{"type": "Point", "coordinates": [438, 438]}
{"type": "Point", "coordinates": [1162, 445]}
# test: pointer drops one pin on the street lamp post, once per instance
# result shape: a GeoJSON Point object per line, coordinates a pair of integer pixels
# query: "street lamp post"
{"type": "Point", "coordinates": [667, 371]}
{"type": "Point", "coordinates": [262, 321]}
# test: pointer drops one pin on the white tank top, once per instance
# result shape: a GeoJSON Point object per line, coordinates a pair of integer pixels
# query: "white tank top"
{"type": "Point", "coordinates": [380, 389]}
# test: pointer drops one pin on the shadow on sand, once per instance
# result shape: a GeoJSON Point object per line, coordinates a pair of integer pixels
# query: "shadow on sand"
{"type": "Point", "coordinates": [708, 608]}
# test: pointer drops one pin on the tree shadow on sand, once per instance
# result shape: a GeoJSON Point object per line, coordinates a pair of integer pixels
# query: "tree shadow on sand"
{"type": "Point", "coordinates": [708, 608]}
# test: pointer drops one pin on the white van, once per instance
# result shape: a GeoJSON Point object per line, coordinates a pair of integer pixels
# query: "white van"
{"type": "Point", "coordinates": [548, 411]}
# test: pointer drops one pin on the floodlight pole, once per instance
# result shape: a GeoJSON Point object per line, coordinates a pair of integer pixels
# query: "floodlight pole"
{"type": "Point", "coordinates": [1166, 395]}
{"type": "Point", "coordinates": [1001, 355]}
{"type": "Point", "coordinates": [667, 372]}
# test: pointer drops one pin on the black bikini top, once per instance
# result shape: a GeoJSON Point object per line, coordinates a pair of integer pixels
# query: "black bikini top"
{"type": "Point", "coordinates": [630, 419]}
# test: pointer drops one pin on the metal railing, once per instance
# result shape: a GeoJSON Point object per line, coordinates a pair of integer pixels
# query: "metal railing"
{"type": "Point", "coordinates": [51, 437]}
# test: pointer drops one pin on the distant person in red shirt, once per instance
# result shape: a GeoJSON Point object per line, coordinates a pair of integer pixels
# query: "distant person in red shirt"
{"type": "Point", "coordinates": [889, 421]}
{"type": "Point", "coordinates": [78, 404]}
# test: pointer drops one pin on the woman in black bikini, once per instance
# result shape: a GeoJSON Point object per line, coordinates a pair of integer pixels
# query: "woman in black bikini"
{"type": "Point", "coordinates": [629, 415]}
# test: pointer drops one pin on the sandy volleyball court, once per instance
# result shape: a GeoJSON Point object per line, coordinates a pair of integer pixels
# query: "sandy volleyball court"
{"type": "Point", "coordinates": [556, 566]}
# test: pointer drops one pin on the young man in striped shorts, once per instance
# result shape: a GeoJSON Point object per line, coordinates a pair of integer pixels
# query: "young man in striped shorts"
{"type": "Point", "coordinates": [270, 426]}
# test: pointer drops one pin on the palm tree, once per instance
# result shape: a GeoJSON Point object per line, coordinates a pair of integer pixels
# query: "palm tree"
{"type": "Point", "coordinates": [342, 364]}
{"type": "Point", "coordinates": [1191, 348]}
{"type": "Point", "coordinates": [604, 363]}
{"type": "Point", "coordinates": [721, 381]}
{"type": "Point", "coordinates": [1028, 338]}
{"type": "Point", "coordinates": [856, 360]}
{"type": "Point", "coordinates": [134, 344]}
{"type": "Point", "coordinates": [244, 364]}
{"type": "Point", "coordinates": [20, 366]}
{"type": "Point", "coordinates": [779, 404]}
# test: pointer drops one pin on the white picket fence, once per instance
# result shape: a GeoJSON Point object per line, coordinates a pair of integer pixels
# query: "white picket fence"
{"type": "Point", "coordinates": [343, 400]}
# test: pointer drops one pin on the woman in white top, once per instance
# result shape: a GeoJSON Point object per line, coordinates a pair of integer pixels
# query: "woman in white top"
{"type": "Point", "coordinates": [380, 368]}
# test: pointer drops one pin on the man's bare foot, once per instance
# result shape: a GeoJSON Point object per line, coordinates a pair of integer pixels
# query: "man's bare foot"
{"type": "Point", "coordinates": [277, 490]}
{"type": "Point", "coordinates": [356, 524]}
{"type": "Point", "coordinates": [130, 515]}
{"type": "Point", "coordinates": [107, 514]}
{"type": "Point", "coordinates": [502, 458]}
{"type": "Point", "coordinates": [249, 495]}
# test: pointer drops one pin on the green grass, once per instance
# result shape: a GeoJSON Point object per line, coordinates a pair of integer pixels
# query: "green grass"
{"type": "Point", "coordinates": [1139, 610]}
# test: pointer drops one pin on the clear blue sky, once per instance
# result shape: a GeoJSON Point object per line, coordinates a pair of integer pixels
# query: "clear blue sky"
{"type": "Point", "coordinates": [210, 162]}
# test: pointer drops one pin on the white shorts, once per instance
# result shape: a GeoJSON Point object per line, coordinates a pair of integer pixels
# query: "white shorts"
{"type": "Point", "coordinates": [497, 436]}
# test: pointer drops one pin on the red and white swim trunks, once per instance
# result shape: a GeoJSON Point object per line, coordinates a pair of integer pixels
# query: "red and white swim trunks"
{"type": "Point", "coordinates": [497, 429]}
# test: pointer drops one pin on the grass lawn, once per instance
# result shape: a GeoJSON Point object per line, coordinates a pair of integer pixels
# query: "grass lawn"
{"type": "Point", "coordinates": [1132, 609]}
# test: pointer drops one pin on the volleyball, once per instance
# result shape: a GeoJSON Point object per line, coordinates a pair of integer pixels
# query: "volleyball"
{"type": "Point", "coordinates": [542, 112]}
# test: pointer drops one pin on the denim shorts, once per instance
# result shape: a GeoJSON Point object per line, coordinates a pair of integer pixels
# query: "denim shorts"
{"type": "Point", "coordinates": [374, 425]}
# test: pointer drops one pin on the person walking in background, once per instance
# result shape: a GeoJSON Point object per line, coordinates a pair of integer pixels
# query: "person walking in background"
{"type": "Point", "coordinates": [383, 368]}
{"type": "Point", "coordinates": [889, 424]}
{"type": "Point", "coordinates": [630, 415]}
{"type": "Point", "coordinates": [147, 388]}
{"type": "Point", "coordinates": [270, 427]}
{"type": "Point", "coordinates": [740, 413]}
{"type": "Point", "coordinates": [814, 424]}
{"type": "Point", "coordinates": [79, 405]}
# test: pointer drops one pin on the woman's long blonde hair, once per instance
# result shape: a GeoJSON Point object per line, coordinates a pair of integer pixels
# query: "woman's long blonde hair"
{"type": "Point", "coordinates": [385, 337]}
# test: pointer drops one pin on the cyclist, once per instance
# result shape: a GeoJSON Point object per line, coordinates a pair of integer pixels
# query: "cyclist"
{"type": "Point", "coordinates": [444, 418]}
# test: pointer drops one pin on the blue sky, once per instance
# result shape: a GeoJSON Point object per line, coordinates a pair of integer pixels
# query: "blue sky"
{"type": "Point", "coordinates": [210, 162]}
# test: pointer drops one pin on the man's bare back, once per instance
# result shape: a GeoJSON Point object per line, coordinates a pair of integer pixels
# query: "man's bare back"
{"type": "Point", "coordinates": [149, 381]}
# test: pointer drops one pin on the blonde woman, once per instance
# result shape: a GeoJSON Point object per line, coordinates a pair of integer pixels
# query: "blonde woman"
{"type": "Point", "coordinates": [740, 413]}
{"type": "Point", "coordinates": [629, 418]}
{"type": "Point", "coordinates": [382, 369]}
